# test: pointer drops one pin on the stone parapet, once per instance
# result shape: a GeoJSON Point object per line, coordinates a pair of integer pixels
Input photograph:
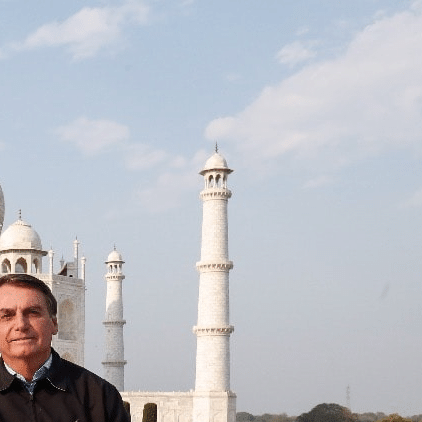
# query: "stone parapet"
{"type": "Point", "coordinates": [223, 331]}
{"type": "Point", "coordinates": [215, 193]}
{"type": "Point", "coordinates": [203, 266]}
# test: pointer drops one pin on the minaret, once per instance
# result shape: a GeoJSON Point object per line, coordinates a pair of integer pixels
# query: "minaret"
{"type": "Point", "coordinates": [75, 257]}
{"type": "Point", "coordinates": [213, 329]}
{"type": "Point", "coordinates": [114, 349]}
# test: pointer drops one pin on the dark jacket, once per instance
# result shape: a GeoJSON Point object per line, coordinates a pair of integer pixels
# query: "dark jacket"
{"type": "Point", "coordinates": [70, 393]}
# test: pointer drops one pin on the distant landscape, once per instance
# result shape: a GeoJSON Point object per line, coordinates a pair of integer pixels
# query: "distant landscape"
{"type": "Point", "coordinates": [328, 413]}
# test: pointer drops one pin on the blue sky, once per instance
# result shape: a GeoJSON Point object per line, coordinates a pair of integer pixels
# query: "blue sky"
{"type": "Point", "coordinates": [110, 108]}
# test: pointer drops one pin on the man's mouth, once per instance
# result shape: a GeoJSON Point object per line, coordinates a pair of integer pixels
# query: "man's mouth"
{"type": "Point", "coordinates": [22, 339]}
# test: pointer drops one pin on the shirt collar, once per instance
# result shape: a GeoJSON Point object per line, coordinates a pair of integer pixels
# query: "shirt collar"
{"type": "Point", "coordinates": [39, 373]}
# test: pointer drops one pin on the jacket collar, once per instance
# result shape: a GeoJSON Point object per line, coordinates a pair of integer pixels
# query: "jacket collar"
{"type": "Point", "coordinates": [6, 378]}
{"type": "Point", "coordinates": [57, 376]}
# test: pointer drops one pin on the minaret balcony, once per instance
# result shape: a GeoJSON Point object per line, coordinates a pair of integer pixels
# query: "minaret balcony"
{"type": "Point", "coordinates": [115, 322]}
{"type": "Point", "coordinates": [209, 331]}
{"type": "Point", "coordinates": [115, 276]}
{"type": "Point", "coordinates": [204, 267]}
{"type": "Point", "coordinates": [215, 193]}
{"type": "Point", "coordinates": [114, 363]}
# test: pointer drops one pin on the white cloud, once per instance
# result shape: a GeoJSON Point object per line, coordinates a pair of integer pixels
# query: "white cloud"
{"type": "Point", "coordinates": [171, 185]}
{"type": "Point", "coordinates": [296, 52]}
{"type": "Point", "coordinates": [171, 176]}
{"type": "Point", "coordinates": [141, 156]}
{"type": "Point", "coordinates": [85, 32]}
{"type": "Point", "coordinates": [415, 201]}
{"type": "Point", "coordinates": [93, 136]}
{"type": "Point", "coordinates": [364, 101]}
{"type": "Point", "coordinates": [302, 31]}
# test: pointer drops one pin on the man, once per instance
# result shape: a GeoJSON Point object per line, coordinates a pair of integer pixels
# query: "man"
{"type": "Point", "coordinates": [35, 383]}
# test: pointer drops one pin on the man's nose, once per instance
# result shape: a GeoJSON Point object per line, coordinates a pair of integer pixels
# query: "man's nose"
{"type": "Point", "coordinates": [21, 321]}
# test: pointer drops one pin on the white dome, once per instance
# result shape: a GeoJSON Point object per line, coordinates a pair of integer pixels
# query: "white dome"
{"type": "Point", "coordinates": [216, 162]}
{"type": "Point", "coordinates": [114, 256]}
{"type": "Point", "coordinates": [20, 235]}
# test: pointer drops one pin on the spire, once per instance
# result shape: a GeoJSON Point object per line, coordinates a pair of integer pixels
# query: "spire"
{"type": "Point", "coordinates": [216, 148]}
{"type": "Point", "coordinates": [20, 214]}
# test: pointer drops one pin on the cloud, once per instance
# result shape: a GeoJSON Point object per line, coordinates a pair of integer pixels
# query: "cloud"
{"type": "Point", "coordinates": [170, 177]}
{"type": "Point", "coordinates": [141, 156]}
{"type": "Point", "coordinates": [93, 136]}
{"type": "Point", "coordinates": [172, 184]}
{"type": "Point", "coordinates": [366, 100]}
{"type": "Point", "coordinates": [86, 32]}
{"type": "Point", "coordinates": [415, 201]}
{"type": "Point", "coordinates": [302, 30]}
{"type": "Point", "coordinates": [296, 52]}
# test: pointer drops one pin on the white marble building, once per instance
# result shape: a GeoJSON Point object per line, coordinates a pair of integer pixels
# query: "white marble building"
{"type": "Point", "coordinates": [211, 400]}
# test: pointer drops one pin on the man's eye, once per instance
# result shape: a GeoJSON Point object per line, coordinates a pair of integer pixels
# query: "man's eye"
{"type": "Point", "coordinates": [5, 317]}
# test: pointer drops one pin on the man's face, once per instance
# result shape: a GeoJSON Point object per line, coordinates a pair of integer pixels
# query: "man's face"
{"type": "Point", "coordinates": [26, 328]}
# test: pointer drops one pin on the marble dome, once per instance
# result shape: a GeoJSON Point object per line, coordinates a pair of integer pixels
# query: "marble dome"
{"type": "Point", "coordinates": [114, 256]}
{"type": "Point", "coordinates": [20, 235]}
{"type": "Point", "coordinates": [216, 162]}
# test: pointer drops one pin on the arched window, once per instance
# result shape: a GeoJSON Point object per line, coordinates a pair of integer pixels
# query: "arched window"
{"type": "Point", "coordinates": [67, 320]}
{"type": "Point", "coordinates": [35, 266]}
{"type": "Point", "coordinates": [211, 182]}
{"type": "Point", "coordinates": [218, 181]}
{"type": "Point", "coordinates": [150, 413]}
{"type": "Point", "coordinates": [21, 266]}
{"type": "Point", "coordinates": [5, 266]}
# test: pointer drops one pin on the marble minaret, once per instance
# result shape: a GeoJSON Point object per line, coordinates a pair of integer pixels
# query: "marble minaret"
{"type": "Point", "coordinates": [114, 362]}
{"type": "Point", "coordinates": [213, 399]}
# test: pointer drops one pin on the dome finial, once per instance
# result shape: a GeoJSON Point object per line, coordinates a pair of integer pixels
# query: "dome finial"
{"type": "Point", "coordinates": [20, 214]}
{"type": "Point", "coordinates": [216, 147]}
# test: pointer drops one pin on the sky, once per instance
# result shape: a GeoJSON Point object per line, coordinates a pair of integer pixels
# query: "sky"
{"type": "Point", "coordinates": [108, 111]}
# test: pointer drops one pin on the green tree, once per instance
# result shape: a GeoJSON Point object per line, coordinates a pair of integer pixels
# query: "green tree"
{"type": "Point", "coordinates": [328, 413]}
{"type": "Point", "coordinates": [244, 417]}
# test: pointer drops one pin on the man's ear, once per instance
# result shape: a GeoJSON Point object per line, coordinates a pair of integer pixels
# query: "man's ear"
{"type": "Point", "coordinates": [55, 325]}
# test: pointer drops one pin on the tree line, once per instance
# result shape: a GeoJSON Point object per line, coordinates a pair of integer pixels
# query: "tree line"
{"type": "Point", "coordinates": [328, 412]}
